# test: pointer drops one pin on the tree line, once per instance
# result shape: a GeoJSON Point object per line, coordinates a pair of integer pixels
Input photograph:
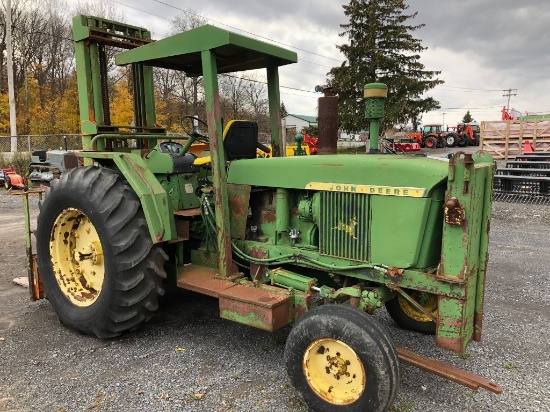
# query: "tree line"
{"type": "Point", "coordinates": [45, 78]}
{"type": "Point", "coordinates": [380, 47]}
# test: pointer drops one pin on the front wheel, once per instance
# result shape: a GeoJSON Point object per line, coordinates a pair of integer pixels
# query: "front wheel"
{"type": "Point", "coordinates": [451, 139]}
{"type": "Point", "coordinates": [431, 142]}
{"type": "Point", "coordinates": [340, 359]}
{"type": "Point", "coordinates": [7, 182]}
{"type": "Point", "coordinates": [101, 272]}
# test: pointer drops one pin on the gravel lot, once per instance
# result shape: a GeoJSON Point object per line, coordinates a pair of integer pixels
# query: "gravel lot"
{"type": "Point", "coordinates": [188, 359]}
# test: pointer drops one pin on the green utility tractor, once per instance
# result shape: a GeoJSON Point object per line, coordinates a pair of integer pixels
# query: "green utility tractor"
{"type": "Point", "coordinates": [319, 242]}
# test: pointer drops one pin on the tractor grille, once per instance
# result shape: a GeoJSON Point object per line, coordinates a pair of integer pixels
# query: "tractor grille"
{"type": "Point", "coordinates": [344, 225]}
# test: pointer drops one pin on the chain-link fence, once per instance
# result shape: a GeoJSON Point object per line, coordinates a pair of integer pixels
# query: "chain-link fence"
{"type": "Point", "coordinates": [30, 143]}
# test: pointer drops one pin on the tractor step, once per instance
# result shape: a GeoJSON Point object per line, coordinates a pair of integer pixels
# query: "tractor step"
{"type": "Point", "coordinates": [203, 279]}
{"type": "Point", "coordinates": [268, 308]}
{"type": "Point", "coordinates": [261, 308]}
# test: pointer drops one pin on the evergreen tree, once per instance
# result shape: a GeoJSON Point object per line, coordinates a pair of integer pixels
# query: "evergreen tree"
{"type": "Point", "coordinates": [382, 49]}
{"type": "Point", "coordinates": [284, 113]}
{"type": "Point", "coordinates": [467, 118]}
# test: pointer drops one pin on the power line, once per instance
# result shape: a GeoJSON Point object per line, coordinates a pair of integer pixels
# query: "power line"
{"type": "Point", "coordinates": [508, 93]}
{"type": "Point", "coordinates": [470, 89]}
{"type": "Point", "coordinates": [247, 32]}
{"type": "Point", "coordinates": [236, 28]}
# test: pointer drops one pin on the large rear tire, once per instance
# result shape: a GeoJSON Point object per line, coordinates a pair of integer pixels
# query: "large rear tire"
{"type": "Point", "coordinates": [101, 272]}
{"type": "Point", "coordinates": [340, 359]}
{"type": "Point", "coordinates": [408, 317]}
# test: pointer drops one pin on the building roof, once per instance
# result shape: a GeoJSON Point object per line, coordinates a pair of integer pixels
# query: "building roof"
{"type": "Point", "coordinates": [309, 119]}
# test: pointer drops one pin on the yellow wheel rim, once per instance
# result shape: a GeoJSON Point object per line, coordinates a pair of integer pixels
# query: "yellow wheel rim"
{"type": "Point", "coordinates": [334, 371]}
{"type": "Point", "coordinates": [77, 257]}
{"type": "Point", "coordinates": [428, 302]}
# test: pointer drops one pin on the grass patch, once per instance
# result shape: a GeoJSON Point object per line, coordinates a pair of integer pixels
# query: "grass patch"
{"type": "Point", "coordinates": [401, 405]}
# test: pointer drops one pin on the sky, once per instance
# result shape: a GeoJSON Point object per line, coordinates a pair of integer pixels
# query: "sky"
{"type": "Point", "coordinates": [485, 49]}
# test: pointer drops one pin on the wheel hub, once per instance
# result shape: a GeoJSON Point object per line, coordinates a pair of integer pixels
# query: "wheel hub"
{"type": "Point", "coordinates": [77, 257]}
{"type": "Point", "coordinates": [428, 302]}
{"type": "Point", "coordinates": [334, 371]}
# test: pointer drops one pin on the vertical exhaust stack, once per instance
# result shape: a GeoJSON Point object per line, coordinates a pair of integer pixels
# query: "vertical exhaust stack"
{"type": "Point", "coordinates": [375, 94]}
{"type": "Point", "coordinates": [327, 142]}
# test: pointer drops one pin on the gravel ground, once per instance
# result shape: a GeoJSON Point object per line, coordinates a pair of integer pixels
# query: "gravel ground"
{"type": "Point", "coordinates": [188, 359]}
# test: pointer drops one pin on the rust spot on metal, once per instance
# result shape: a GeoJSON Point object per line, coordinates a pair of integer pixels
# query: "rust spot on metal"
{"type": "Point", "coordinates": [394, 272]}
{"type": "Point", "coordinates": [268, 216]}
{"type": "Point", "coordinates": [330, 164]}
{"type": "Point", "coordinates": [454, 212]}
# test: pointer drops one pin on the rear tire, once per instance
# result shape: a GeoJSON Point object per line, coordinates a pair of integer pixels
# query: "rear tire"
{"type": "Point", "coordinates": [408, 317]}
{"type": "Point", "coordinates": [340, 359]}
{"type": "Point", "coordinates": [101, 271]}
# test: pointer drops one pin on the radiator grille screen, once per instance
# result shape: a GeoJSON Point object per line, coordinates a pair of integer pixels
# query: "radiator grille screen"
{"type": "Point", "coordinates": [344, 225]}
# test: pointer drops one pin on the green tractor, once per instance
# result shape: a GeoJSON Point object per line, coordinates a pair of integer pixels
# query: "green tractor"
{"type": "Point", "coordinates": [319, 242]}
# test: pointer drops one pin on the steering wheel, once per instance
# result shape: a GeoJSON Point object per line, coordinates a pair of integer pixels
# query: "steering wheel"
{"type": "Point", "coordinates": [190, 125]}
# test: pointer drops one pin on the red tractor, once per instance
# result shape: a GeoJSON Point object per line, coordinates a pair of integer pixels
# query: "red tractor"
{"type": "Point", "coordinates": [463, 134]}
{"type": "Point", "coordinates": [431, 136]}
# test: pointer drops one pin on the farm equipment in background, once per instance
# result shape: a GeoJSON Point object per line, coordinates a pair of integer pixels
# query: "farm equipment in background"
{"type": "Point", "coordinates": [310, 141]}
{"type": "Point", "coordinates": [525, 179]}
{"type": "Point", "coordinates": [48, 165]}
{"type": "Point", "coordinates": [463, 134]}
{"type": "Point", "coordinates": [301, 240]}
{"type": "Point", "coordinates": [10, 179]}
{"type": "Point", "coordinates": [400, 144]}
{"type": "Point", "coordinates": [431, 136]}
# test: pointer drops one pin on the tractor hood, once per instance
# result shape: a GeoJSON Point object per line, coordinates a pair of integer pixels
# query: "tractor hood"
{"type": "Point", "coordinates": [371, 173]}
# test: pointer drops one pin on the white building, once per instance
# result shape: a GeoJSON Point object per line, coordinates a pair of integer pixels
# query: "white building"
{"type": "Point", "coordinates": [299, 121]}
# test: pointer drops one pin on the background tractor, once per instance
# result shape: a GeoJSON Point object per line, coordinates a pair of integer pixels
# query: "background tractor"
{"type": "Point", "coordinates": [319, 242]}
{"type": "Point", "coordinates": [463, 134]}
{"type": "Point", "coordinates": [431, 136]}
{"type": "Point", "coordinates": [48, 165]}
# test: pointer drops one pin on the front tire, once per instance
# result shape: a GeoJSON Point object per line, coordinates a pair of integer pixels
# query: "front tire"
{"type": "Point", "coordinates": [7, 182]}
{"type": "Point", "coordinates": [340, 359]}
{"type": "Point", "coordinates": [431, 142]}
{"type": "Point", "coordinates": [451, 139]}
{"type": "Point", "coordinates": [101, 272]}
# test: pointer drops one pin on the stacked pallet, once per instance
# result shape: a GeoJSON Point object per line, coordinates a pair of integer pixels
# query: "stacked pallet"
{"type": "Point", "coordinates": [506, 139]}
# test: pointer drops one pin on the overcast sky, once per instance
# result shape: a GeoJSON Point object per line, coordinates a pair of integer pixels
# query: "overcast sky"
{"type": "Point", "coordinates": [482, 47]}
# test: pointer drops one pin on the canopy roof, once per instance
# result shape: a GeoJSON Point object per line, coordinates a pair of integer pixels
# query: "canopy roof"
{"type": "Point", "coordinates": [183, 52]}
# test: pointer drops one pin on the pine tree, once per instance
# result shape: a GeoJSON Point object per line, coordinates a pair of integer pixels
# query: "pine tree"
{"type": "Point", "coordinates": [284, 113]}
{"type": "Point", "coordinates": [467, 118]}
{"type": "Point", "coordinates": [382, 49]}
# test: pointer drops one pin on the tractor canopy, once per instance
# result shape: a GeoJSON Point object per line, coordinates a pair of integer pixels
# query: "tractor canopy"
{"type": "Point", "coordinates": [183, 52]}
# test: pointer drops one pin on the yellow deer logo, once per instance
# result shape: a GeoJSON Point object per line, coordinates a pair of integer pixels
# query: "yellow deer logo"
{"type": "Point", "coordinates": [348, 228]}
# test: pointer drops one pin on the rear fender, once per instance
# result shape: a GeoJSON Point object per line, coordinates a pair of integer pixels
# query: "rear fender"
{"type": "Point", "coordinates": [154, 199]}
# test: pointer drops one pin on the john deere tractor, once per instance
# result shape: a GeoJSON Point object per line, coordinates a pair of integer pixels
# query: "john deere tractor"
{"type": "Point", "coordinates": [319, 242]}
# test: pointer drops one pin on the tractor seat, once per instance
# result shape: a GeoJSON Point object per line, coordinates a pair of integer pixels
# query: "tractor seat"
{"type": "Point", "coordinates": [240, 140]}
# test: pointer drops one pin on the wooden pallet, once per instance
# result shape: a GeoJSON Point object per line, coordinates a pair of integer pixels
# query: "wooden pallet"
{"type": "Point", "coordinates": [506, 139]}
